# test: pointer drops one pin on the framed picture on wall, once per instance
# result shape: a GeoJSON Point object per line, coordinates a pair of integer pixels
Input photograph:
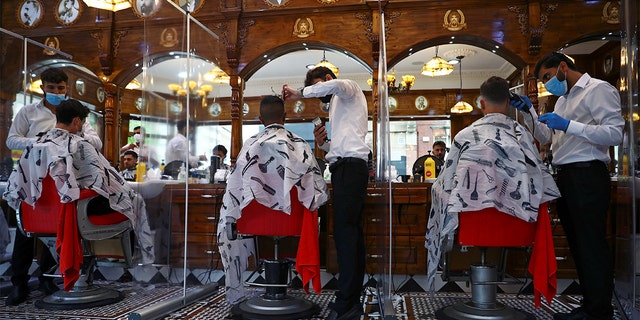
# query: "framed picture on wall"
{"type": "Point", "coordinates": [192, 6]}
{"type": "Point", "coordinates": [29, 13]}
{"type": "Point", "coordinates": [607, 64]}
{"type": "Point", "coordinates": [68, 11]}
{"type": "Point", "coordinates": [145, 8]}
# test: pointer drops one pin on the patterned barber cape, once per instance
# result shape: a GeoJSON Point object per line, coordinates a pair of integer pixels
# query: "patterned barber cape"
{"type": "Point", "coordinates": [269, 165]}
{"type": "Point", "coordinates": [51, 154]}
{"type": "Point", "coordinates": [493, 163]}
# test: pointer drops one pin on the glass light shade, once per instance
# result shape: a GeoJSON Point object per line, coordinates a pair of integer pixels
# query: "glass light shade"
{"type": "Point", "coordinates": [174, 87]}
{"type": "Point", "coordinates": [206, 88]}
{"type": "Point", "coordinates": [461, 107]}
{"type": "Point", "coordinates": [408, 80]}
{"type": "Point", "coordinates": [370, 82]}
{"type": "Point", "coordinates": [111, 5]}
{"type": "Point", "coordinates": [437, 67]}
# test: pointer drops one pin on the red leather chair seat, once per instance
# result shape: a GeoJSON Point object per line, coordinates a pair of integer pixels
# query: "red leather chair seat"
{"type": "Point", "coordinates": [492, 228]}
{"type": "Point", "coordinates": [259, 220]}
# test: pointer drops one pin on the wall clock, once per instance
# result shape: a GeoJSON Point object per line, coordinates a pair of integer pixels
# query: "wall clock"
{"type": "Point", "coordinates": [100, 94]}
{"type": "Point", "coordinates": [67, 12]}
{"type": "Point", "coordinates": [29, 13]}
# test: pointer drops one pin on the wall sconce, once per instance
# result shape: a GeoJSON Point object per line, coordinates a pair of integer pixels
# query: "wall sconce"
{"type": "Point", "coordinates": [404, 86]}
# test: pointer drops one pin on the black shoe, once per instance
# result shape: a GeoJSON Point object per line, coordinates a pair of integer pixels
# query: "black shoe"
{"type": "Point", "coordinates": [354, 313]}
{"type": "Point", "coordinates": [47, 286]}
{"type": "Point", "coordinates": [575, 314]}
{"type": "Point", "coordinates": [18, 295]}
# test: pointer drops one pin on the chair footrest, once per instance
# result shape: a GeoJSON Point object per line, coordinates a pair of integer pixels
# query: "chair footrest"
{"type": "Point", "coordinates": [274, 285]}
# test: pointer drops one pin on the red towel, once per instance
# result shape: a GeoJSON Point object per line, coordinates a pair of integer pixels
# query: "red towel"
{"type": "Point", "coordinates": [68, 244]}
{"type": "Point", "coordinates": [308, 255]}
{"type": "Point", "coordinates": [543, 264]}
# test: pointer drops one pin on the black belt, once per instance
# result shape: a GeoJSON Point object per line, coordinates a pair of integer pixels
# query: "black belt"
{"type": "Point", "coordinates": [583, 164]}
{"type": "Point", "coordinates": [345, 160]}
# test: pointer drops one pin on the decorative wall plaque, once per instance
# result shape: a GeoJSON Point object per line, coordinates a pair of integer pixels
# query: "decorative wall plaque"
{"type": "Point", "coordinates": [52, 42]}
{"type": "Point", "coordinates": [29, 13]}
{"type": "Point", "coordinates": [303, 28]}
{"type": "Point", "coordinates": [611, 12]}
{"type": "Point", "coordinates": [68, 12]}
{"type": "Point", "coordinates": [169, 37]}
{"type": "Point", "coordinates": [393, 104]}
{"type": "Point", "coordinates": [276, 3]}
{"type": "Point", "coordinates": [454, 20]}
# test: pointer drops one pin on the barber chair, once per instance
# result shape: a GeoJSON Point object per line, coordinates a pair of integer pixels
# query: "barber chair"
{"type": "Point", "coordinates": [258, 220]}
{"type": "Point", "coordinates": [490, 228]}
{"type": "Point", "coordinates": [44, 220]}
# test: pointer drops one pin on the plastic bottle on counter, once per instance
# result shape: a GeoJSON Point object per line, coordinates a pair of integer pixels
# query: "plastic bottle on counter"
{"type": "Point", "coordinates": [162, 166]}
{"type": "Point", "coordinates": [429, 168]}
{"type": "Point", "coordinates": [141, 171]}
{"type": "Point", "coordinates": [327, 174]}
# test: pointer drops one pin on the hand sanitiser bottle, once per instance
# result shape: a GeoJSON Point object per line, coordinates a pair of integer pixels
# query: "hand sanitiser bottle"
{"type": "Point", "coordinates": [429, 168]}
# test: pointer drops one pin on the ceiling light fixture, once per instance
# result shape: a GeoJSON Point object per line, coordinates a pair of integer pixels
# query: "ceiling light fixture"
{"type": "Point", "coordinates": [111, 5]}
{"type": "Point", "coordinates": [327, 64]}
{"type": "Point", "coordinates": [437, 67]}
{"type": "Point", "coordinates": [461, 106]}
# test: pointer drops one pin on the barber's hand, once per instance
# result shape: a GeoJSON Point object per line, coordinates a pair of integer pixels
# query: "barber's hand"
{"type": "Point", "coordinates": [320, 134]}
{"type": "Point", "coordinates": [522, 104]}
{"type": "Point", "coordinates": [554, 121]}
{"type": "Point", "coordinates": [289, 93]}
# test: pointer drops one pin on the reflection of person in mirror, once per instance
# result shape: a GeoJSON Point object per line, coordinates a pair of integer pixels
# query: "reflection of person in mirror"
{"type": "Point", "coordinates": [68, 10]}
{"type": "Point", "coordinates": [146, 7]}
{"type": "Point", "coordinates": [608, 64]}
{"type": "Point", "coordinates": [30, 12]}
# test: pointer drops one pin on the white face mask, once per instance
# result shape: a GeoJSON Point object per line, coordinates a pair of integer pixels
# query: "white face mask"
{"type": "Point", "coordinates": [137, 137]}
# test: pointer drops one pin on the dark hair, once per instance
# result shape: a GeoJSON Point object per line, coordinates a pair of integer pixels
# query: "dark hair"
{"type": "Point", "coordinates": [53, 75]}
{"type": "Point", "coordinates": [495, 90]}
{"type": "Point", "coordinates": [552, 60]}
{"type": "Point", "coordinates": [181, 124]}
{"type": "Point", "coordinates": [132, 153]}
{"type": "Point", "coordinates": [136, 128]}
{"type": "Point", "coordinates": [220, 148]}
{"type": "Point", "coordinates": [439, 143]}
{"type": "Point", "coordinates": [317, 73]}
{"type": "Point", "coordinates": [271, 109]}
{"type": "Point", "coordinates": [69, 109]}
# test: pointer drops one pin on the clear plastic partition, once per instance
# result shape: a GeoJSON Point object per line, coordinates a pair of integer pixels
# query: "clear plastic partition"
{"type": "Point", "coordinates": [178, 120]}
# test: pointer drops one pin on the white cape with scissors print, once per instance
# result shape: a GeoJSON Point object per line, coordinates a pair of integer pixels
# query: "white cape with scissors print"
{"type": "Point", "coordinates": [268, 166]}
{"type": "Point", "coordinates": [494, 162]}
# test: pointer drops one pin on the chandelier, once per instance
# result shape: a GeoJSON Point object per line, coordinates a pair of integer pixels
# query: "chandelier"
{"type": "Point", "coordinates": [327, 64]}
{"type": "Point", "coordinates": [461, 106]}
{"type": "Point", "coordinates": [190, 88]}
{"type": "Point", "coordinates": [437, 67]}
{"type": "Point", "coordinates": [111, 5]}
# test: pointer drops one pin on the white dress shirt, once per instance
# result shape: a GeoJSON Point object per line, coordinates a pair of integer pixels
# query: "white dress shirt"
{"type": "Point", "coordinates": [593, 106]}
{"type": "Point", "coordinates": [348, 118]}
{"type": "Point", "coordinates": [36, 118]}
{"type": "Point", "coordinates": [177, 150]}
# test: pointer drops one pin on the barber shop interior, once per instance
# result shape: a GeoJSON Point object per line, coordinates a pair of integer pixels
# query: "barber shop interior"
{"type": "Point", "coordinates": [319, 159]}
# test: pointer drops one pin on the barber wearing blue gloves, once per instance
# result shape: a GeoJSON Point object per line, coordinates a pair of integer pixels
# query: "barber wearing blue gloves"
{"type": "Point", "coordinates": [586, 121]}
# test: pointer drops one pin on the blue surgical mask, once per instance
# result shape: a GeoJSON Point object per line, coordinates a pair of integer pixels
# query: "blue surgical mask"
{"type": "Point", "coordinates": [55, 99]}
{"type": "Point", "coordinates": [555, 86]}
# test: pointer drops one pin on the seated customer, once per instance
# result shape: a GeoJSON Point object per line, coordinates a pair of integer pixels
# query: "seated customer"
{"type": "Point", "coordinates": [270, 164]}
{"type": "Point", "coordinates": [129, 161]}
{"type": "Point", "coordinates": [493, 163]}
{"type": "Point", "coordinates": [75, 164]}
{"type": "Point", "coordinates": [221, 152]}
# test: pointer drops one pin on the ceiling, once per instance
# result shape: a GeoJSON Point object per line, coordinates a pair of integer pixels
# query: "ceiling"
{"type": "Point", "coordinates": [477, 65]}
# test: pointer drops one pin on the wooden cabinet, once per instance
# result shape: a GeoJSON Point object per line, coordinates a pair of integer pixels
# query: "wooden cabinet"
{"type": "Point", "coordinates": [411, 202]}
{"type": "Point", "coordinates": [200, 221]}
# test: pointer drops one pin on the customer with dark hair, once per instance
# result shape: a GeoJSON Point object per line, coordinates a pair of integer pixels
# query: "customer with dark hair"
{"type": "Point", "coordinates": [439, 150]}
{"type": "Point", "coordinates": [221, 152]}
{"type": "Point", "coordinates": [347, 158]}
{"type": "Point", "coordinates": [585, 123]}
{"type": "Point", "coordinates": [28, 124]}
{"type": "Point", "coordinates": [74, 164]}
{"type": "Point", "coordinates": [130, 161]}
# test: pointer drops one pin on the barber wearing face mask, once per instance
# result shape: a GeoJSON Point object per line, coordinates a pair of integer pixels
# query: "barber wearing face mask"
{"type": "Point", "coordinates": [586, 121]}
{"type": "Point", "coordinates": [145, 152]}
{"type": "Point", "coordinates": [347, 156]}
{"type": "Point", "coordinates": [30, 122]}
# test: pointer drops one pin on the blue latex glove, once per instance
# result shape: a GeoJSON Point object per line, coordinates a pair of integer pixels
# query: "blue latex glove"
{"type": "Point", "coordinates": [554, 121]}
{"type": "Point", "coordinates": [521, 103]}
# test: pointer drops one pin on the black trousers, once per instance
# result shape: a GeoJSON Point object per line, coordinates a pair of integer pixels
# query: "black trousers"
{"type": "Point", "coordinates": [349, 177]}
{"type": "Point", "coordinates": [583, 207]}
{"type": "Point", "coordinates": [22, 257]}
